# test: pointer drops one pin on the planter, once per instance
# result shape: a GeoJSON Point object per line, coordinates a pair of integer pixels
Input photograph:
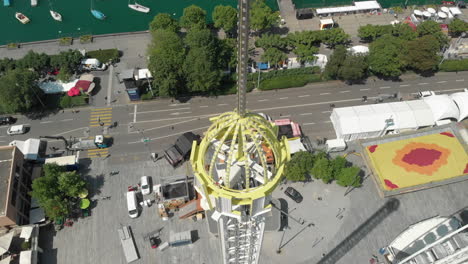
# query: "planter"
{"type": "Point", "coordinates": [66, 41]}
{"type": "Point", "coordinates": [12, 46]}
{"type": "Point", "coordinates": [86, 39]}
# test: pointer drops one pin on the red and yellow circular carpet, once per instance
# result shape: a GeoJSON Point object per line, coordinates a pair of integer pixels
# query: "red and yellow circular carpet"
{"type": "Point", "coordinates": [420, 160]}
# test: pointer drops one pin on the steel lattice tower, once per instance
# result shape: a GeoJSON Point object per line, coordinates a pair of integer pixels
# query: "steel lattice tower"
{"type": "Point", "coordinates": [237, 166]}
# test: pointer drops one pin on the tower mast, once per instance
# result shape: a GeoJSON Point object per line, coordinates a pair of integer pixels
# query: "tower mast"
{"type": "Point", "coordinates": [242, 55]}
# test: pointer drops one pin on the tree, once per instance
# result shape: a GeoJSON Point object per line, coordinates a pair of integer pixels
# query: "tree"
{"type": "Point", "coordinates": [349, 177]}
{"type": "Point", "coordinates": [66, 59]}
{"type": "Point", "coordinates": [33, 60]}
{"type": "Point", "coordinates": [227, 53]}
{"type": "Point", "coordinates": [299, 166]}
{"type": "Point", "coordinates": [337, 164]}
{"type": "Point", "coordinates": [64, 74]}
{"type": "Point", "coordinates": [164, 21]}
{"type": "Point", "coordinates": [166, 56]}
{"type": "Point", "coordinates": [18, 91]}
{"type": "Point", "coordinates": [334, 36]}
{"type": "Point", "coordinates": [432, 28]}
{"type": "Point", "coordinates": [404, 31]}
{"type": "Point", "coordinates": [274, 56]}
{"type": "Point", "coordinates": [457, 27]}
{"type": "Point", "coordinates": [7, 64]}
{"type": "Point", "coordinates": [201, 70]}
{"type": "Point", "coordinates": [422, 54]}
{"type": "Point", "coordinates": [55, 188]}
{"type": "Point", "coordinates": [201, 38]}
{"type": "Point", "coordinates": [336, 61]}
{"type": "Point", "coordinates": [193, 17]}
{"type": "Point", "coordinates": [354, 68]}
{"type": "Point", "coordinates": [323, 170]}
{"type": "Point", "coordinates": [305, 44]}
{"type": "Point", "coordinates": [386, 56]}
{"type": "Point", "coordinates": [261, 16]}
{"type": "Point", "coordinates": [271, 41]}
{"type": "Point", "coordinates": [225, 17]}
{"type": "Point", "coordinates": [369, 33]}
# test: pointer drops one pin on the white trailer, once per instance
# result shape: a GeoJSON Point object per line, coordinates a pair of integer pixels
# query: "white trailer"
{"type": "Point", "coordinates": [128, 244]}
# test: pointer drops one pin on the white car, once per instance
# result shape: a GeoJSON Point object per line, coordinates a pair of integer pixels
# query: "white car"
{"type": "Point", "coordinates": [426, 93]}
{"type": "Point", "coordinates": [145, 185]}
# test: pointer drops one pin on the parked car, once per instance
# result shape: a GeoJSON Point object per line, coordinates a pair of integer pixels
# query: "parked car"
{"type": "Point", "coordinates": [178, 152]}
{"type": "Point", "coordinates": [426, 93]}
{"type": "Point", "coordinates": [7, 120]}
{"type": "Point", "coordinates": [293, 194]}
{"type": "Point", "coordinates": [145, 182]}
{"type": "Point", "coordinates": [16, 130]}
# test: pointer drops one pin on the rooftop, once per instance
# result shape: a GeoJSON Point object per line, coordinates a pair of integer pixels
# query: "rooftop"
{"type": "Point", "coordinates": [6, 153]}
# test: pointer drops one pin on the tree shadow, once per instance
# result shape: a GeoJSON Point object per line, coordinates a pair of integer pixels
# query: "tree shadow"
{"type": "Point", "coordinates": [46, 243]}
{"type": "Point", "coordinates": [95, 184]}
{"type": "Point", "coordinates": [360, 232]}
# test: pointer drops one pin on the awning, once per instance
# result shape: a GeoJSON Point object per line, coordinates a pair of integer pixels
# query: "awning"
{"type": "Point", "coordinates": [6, 260]}
{"type": "Point", "coordinates": [296, 145]}
{"type": "Point", "coordinates": [5, 242]}
{"type": "Point", "coordinates": [26, 232]}
{"type": "Point", "coordinates": [25, 257]}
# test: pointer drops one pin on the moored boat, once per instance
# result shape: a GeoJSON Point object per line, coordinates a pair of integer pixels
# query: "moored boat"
{"type": "Point", "coordinates": [33, 2]}
{"type": "Point", "coordinates": [6, 2]}
{"type": "Point", "coordinates": [139, 8]}
{"type": "Point", "coordinates": [98, 14]}
{"type": "Point", "coordinates": [22, 18]}
{"type": "Point", "coordinates": [56, 15]}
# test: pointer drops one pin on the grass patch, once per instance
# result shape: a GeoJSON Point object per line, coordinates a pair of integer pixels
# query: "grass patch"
{"type": "Point", "coordinates": [282, 82]}
{"type": "Point", "coordinates": [13, 46]}
{"type": "Point", "coordinates": [86, 39]}
{"type": "Point", "coordinates": [69, 101]}
{"type": "Point", "coordinates": [104, 56]}
{"type": "Point", "coordinates": [65, 41]}
{"type": "Point", "coordinates": [454, 65]}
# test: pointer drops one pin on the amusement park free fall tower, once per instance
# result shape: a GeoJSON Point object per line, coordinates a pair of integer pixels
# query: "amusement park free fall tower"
{"type": "Point", "coordinates": [237, 165]}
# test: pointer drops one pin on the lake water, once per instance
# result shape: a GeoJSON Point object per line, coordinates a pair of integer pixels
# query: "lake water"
{"type": "Point", "coordinates": [78, 20]}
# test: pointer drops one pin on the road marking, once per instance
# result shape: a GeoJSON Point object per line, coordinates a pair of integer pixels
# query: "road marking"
{"type": "Point", "coordinates": [461, 80]}
{"type": "Point", "coordinates": [76, 129]}
{"type": "Point", "coordinates": [203, 106]}
{"type": "Point", "coordinates": [134, 113]}
{"type": "Point", "coordinates": [306, 114]}
{"type": "Point", "coordinates": [365, 89]}
{"type": "Point", "coordinates": [179, 104]}
{"type": "Point", "coordinates": [65, 120]}
{"type": "Point", "coordinates": [324, 93]}
{"type": "Point", "coordinates": [222, 104]}
{"type": "Point", "coordinates": [384, 87]}
{"type": "Point", "coordinates": [448, 90]}
{"type": "Point", "coordinates": [168, 125]}
{"type": "Point", "coordinates": [103, 114]}
{"type": "Point", "coordinates": [404, 85]}
{"type": "Point", "coordinates": [442, 82]}
{"type": "Point", "coordinates": [175, 134]}
{"type": "Point", "coordinates": [281, 116]}
{"type": "Point", "coordinates": [165, 110]}
{"type": "Point", "coordinates": [308, 124]}
{"type": "Point", "coordinates": [180, 113]}
{"type": "Point", "coordinates": [282, 98]}
{"type": "Point", "coordinates": [2, 141]}
{"type": "Point", "coordinates": [422, 83]}
{"type": "Point", "coordinates": [46, 122]}
{"type": "Point", "coordinates": [324, 112]}
{"type": "Point", "coordinates": [305, 95]}
{"type": "Point", "coordinates": [99, 109]}
{"type": "Point", "coordinates": [327, 121]}
{"type": "Point", "coordinates": [262, 100]}
{"type": "Point", "coordinates": [347, 91]}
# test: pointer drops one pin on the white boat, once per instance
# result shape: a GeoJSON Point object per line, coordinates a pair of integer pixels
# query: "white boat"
{"type": "Point", "coordinates": [33, 2]}
{"type": "Point", "coordinates": [56, 15]}
{"type": "Point", "coordinates": [22, 18]}
{"type": "Point", "coordinates": [139, 8]}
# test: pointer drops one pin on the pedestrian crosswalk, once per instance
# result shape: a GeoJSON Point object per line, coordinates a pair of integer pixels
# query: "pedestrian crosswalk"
{"type": "Point", "coordinates": [98, 153]}
{"type": "Point", "coordinates": [100, 117]}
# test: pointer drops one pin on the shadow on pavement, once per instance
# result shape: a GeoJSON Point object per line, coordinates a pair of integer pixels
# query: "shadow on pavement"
{"type": "Point", "coordinates": [284, 218]}
{"type": "Point", "coordinates": [46, 239]}
{"type": "Point", "coordinates": [95, 184]}
{"type": "Point", "coordinates": [357, 235]}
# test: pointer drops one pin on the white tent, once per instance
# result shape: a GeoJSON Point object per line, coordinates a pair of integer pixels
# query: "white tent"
{"type": "Point", "coordinates": [359, 49]}
{"type": "Point", "coordinates": [455, 11]}
{"type": "Point", "coordinates": [5, 242]}
{"type": "Point", "coordinates": [25, 257]}
{"type": "Point", "coordinates": [442, 107]}
{"type": "Point", "coordinates": [296, 145]}
{"type": "Point", "coordinates": [461, 99]}
{"type": "Point", "coordinates": [26, 232]}
{"type": "Point", "coordinates": [6, 260]}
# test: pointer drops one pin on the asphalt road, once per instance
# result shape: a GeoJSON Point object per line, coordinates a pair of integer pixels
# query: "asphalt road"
{"type": "Point", "coordinates": [159, 122]}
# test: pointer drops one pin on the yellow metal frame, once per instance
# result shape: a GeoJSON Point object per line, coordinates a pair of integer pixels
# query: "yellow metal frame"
{"type": "Point", "coordinates": [235, 126]}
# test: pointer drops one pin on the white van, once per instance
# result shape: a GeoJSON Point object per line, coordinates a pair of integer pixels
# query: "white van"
{"type": "Point", "coordinates": [132, 204]}
{"type": "Point", "coordinates": [93, 65]}
{"type": "Point", "coordinates": [16, 130]}
{"type": "Point", "coordinates": [145, 185]}
{"type": "Point", "coordinates": [335, 145]}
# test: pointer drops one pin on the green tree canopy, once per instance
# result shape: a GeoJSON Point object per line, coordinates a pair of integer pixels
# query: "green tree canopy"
{"type": "Point", "coordinates": [166, 57]}
{"type": "Point", "coordinates": [261, 16]}
{"type": "Point", "coordinates": [33, 60]}
{"type": "Point", "coordinates": [432, 28]}
{"type": "Point", "coordinates": [323, 170]}
{"type": "Point", "coordinates": [164, 21]}
{"type": "Point", "coordinates": [299, 166]}
{"type": "Point", "coordinates": [69, 59]}
{"type": "Point", "coordinates": [271, 41]}
{"type": "Point", "coordinates": [354, 68]}
{"type": "Point", "coordinates": [54, 189]}
{"type": "Point", "coordinates": [202, 71]}
{"type": "Point", "coordinates": [201, 38]}
{"type": "Point", "coordinates": [349, 177]}
{"type": "Point", "coordinates": [305, 44]}
{"type": "Point", "coordinates": [337, 164]}
{"type": "Point", "coordinates": [18, 91]}
{"type": "Point", "coordinates": [225, 17]}
{"type": "Point", "coordinates": [422, 53]}
{"type": "Point", "coordinates": [457, 26]}
{"type": "Point", "coordinates": [7, 64]}
{"type": "Point", "coordinates": [403, 31]}
{"type": "Point", "coordinates": [336, 61]}
{"type": "Point", "coordinates": [386, 56]}
{"type": "Point", "coordinates": [334, 36]}
{"type": "Point", "coordinates": [369, 33]}
{"type": "Point", "coordinates": [227, 53]}
{"type": "Point", "coordinates": [273, 56]}
{"type": "Point", "coordinates": [193, 17]}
